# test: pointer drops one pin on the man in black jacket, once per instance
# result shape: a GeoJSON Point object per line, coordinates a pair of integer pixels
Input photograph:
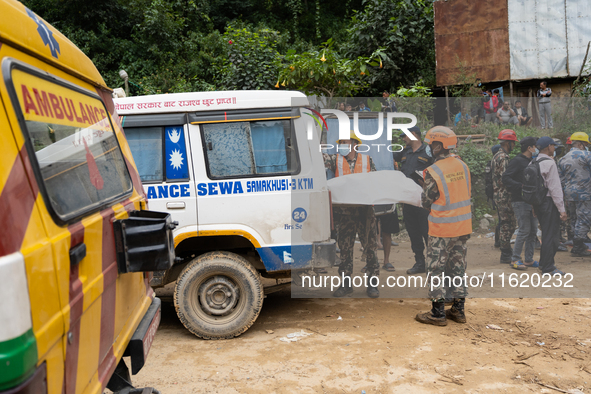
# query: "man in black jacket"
{"type": "Point", "coordinates": [528, 224]}
{"type": "Point", "coordinates": [416, 156]}
{"type": "Point", "coordinates": [521, 114]}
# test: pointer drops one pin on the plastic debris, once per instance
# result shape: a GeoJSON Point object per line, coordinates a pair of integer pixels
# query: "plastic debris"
{"type": "Point", "coordinates": [340, 318]}
{"type": "Point", "coordinates": [541, 343]}
{"type": "Point", "coordinates": [490, 235]}
{"type": "Point", "coordinates": [493, 327]}
{"type": "Point", "coordinates": [295, 336]}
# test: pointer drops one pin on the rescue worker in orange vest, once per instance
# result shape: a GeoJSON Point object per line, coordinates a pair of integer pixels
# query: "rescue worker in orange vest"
{"type": "Point", "coordinates": [353, 220]}
{"type": "Point", "coordinates": [446, 194]}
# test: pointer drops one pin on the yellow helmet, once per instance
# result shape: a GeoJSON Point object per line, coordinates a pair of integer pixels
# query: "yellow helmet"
{"type": "Point", "coordinates": [580, 136]}
{"type": "Point", "coordinates": [443, 134]}
{"type": "Point", "coordinates": [352, 136]}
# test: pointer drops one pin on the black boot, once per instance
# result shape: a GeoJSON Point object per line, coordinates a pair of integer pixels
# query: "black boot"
{"type": "Point", "coordinates": [579, 248]}
{"type": "Point", "coordinates": [345, 288]}
{"type": "Point", "coordinates": [456, 312]}
{"type": "Point", "coordinates": [418, 268]}
{"type": "Point", "coordinates": [372, 290]}
{"type": "Point", "coordinates": [506, 255]}
{"type": "Point", "coordinates": [435, 316]}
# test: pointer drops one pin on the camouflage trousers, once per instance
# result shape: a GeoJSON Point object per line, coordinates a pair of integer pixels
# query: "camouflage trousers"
{"type": "Point", "coordinates": [352, 221]}
{"type": "Point", "coordinates": [580, 212]}
{"type": "Point", "coordinates": [567, 227]}
{"type": "Point", "coordinates": [507, 217]}
{"type": "Point", "coordinates": [447, 256]}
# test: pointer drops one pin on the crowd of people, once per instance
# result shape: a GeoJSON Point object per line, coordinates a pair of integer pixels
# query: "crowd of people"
{"type": "Point", "coordinates": [537, 188]}
{"type": "Point", "coordinates": [496, 110]}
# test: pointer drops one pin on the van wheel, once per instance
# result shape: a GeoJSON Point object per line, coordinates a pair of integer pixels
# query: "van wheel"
{"type": "Point", "coordinates": [218, 295]}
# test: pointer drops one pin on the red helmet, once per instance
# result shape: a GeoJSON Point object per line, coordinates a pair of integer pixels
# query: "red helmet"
{"type": "Point", "coordinates": [507, 135]}
{"type": "Point", "coordinates": [568, 141]}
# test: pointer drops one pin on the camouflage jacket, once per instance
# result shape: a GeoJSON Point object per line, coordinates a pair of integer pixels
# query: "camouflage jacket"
{"type": "Point", "coordinates": [330, 162]}
{"type": "Point", "coordinates": [499, 164]}
{"type": "Point", "coordinates": [430, 190]}
{"type": "Point", "coordinates": [575, 175]}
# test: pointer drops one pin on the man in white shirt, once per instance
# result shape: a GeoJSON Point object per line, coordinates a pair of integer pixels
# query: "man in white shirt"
{"type": "Point", "coordinates": [551, 211]}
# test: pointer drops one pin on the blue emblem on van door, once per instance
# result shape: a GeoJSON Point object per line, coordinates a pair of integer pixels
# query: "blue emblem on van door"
{"type": "Point", "coordinates": [176, 153]}
{"type": "Point", "coordinates": [46, 34]}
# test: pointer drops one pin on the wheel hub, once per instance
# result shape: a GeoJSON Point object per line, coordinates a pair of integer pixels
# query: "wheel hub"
{"type": "Point", "coordinates": [218, 295]}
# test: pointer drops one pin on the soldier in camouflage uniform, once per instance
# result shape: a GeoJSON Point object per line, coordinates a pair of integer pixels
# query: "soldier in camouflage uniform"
{"type": "Point", "coordinates": [450, 226]}
{"type": "Point", "coordinates": [565, 226]}
{"type": "Point", "coordinates": [575, 175]}
{"type": "Point", "coordinates": [354, 220]}
{"type": "Point", "coordinates": [501, 195]}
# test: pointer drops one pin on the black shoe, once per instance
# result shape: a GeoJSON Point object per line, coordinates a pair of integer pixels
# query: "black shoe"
{"type": "Point", "coordinates": [436, 316]}
{"type": "Point", "coordinates": [372, 291]}
{"type": "Point", "coordinates": [456, 312]}
{"type": "Point", "coordinates": [344, 290]}
{"type": "Point", "coordinates": [418, 268]}
{"type": "Point", "coordinates": [562, 248]}
{"type": "Point", "coordinates": [579, 248]}
{"type": "Point", "coordinates": [506, 255]}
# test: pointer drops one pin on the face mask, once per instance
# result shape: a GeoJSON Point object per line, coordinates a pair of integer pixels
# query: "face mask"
{"type": "Point", "coordinates": [554, 154]}
{"type": "Point", "coordinates": [344, 149]}
{"type": "Point", "coordinates": [537, 152]}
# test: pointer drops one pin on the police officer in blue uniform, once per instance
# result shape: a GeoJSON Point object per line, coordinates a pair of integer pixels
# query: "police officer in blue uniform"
{"type": "Point", "coordinates": [416, 156]}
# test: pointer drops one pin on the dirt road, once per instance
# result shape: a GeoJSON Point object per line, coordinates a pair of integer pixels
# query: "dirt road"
{"type": "Point", "coordinates": [378, 347]}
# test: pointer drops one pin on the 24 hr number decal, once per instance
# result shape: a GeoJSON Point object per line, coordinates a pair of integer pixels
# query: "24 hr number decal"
{"type": "Point", "coordinates": [299, 215]}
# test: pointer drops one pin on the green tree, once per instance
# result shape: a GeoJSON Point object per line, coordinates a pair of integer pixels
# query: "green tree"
{"type": "Point", "coordinates": [251, 58]}
{"type": "Point", "coordinates": [323, 71]}
{"type": "Point", "coordinates": [406, 29]}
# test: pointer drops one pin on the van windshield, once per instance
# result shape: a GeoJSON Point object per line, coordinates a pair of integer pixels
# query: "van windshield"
{"type": "Point", "coordinates": [78, 157]}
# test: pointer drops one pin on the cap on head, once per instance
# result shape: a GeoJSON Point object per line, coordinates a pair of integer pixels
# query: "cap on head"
{"type": "Point", "coordinates": [415, 130]}
{"type": "Point", "coordinates": [352, 136]}
{"type": "Point", "coordinates": [568, 141]}
{"type": "Point", "coordinates": [526, 142]}
{"type": "Point", "coordinates": [544, 142]}
{"type": "Point", "coordinates": [558, 143]}
{"type": "Point", "coordinates": [580, 136]}
{"type": "Point", "coordinates": [507, 135]}
{"type": "Point", "coordinates": [442, 134]}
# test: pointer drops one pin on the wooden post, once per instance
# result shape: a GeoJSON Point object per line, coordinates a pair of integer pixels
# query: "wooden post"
{"type": "Point", "coordinates": [449, 124]}
{"type": "Point", "coordinates": [511, 87]}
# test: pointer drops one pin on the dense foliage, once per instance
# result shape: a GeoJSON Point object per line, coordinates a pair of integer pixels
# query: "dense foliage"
{"type": "Point", "coordinates": [192, 45]}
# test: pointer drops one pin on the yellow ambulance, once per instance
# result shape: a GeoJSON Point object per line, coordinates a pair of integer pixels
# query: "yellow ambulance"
{"type": "Point", "coordinates": [77, 245]}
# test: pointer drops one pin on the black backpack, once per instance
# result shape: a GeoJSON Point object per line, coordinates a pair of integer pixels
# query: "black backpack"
{"type": "Point", "coordinates": [534, 191]}
{"type": "Point", "coordinates": [488, 182]}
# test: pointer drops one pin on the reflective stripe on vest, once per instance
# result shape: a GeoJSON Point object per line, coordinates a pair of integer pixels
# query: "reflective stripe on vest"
{"type": "Point", "coordinates": [451, 214]}
{"type": "Point", "coordinates": [343, 167]}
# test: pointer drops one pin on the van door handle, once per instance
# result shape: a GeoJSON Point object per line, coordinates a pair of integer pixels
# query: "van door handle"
{"type": "Point", "coordinates": [175, 205]}
{"type": "Point", "coordinates": [77, 253]}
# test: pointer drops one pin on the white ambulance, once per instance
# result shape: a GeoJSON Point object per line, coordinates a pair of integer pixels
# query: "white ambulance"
{"type": "Point", "coordinates": [242, 174]}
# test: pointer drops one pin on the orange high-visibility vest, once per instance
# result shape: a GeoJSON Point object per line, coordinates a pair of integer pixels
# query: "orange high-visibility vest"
{"type": "Point", "coordinates": [451, 214]}
{"type": "Point", "coordinates": [361, 165]}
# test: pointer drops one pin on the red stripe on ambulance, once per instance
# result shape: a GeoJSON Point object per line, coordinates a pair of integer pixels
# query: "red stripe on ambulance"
{"type": "Point", "coordinates": [16, 204]}
{"type": "Point", "coordinates": [76, 307]}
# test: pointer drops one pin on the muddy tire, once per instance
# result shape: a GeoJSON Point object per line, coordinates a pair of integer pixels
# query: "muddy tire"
{"type": "Point", "coordinates": [218, 295]}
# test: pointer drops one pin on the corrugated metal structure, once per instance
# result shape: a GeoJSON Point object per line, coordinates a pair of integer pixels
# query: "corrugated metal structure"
{"type": "Point", "coordinates": [511, 39]}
